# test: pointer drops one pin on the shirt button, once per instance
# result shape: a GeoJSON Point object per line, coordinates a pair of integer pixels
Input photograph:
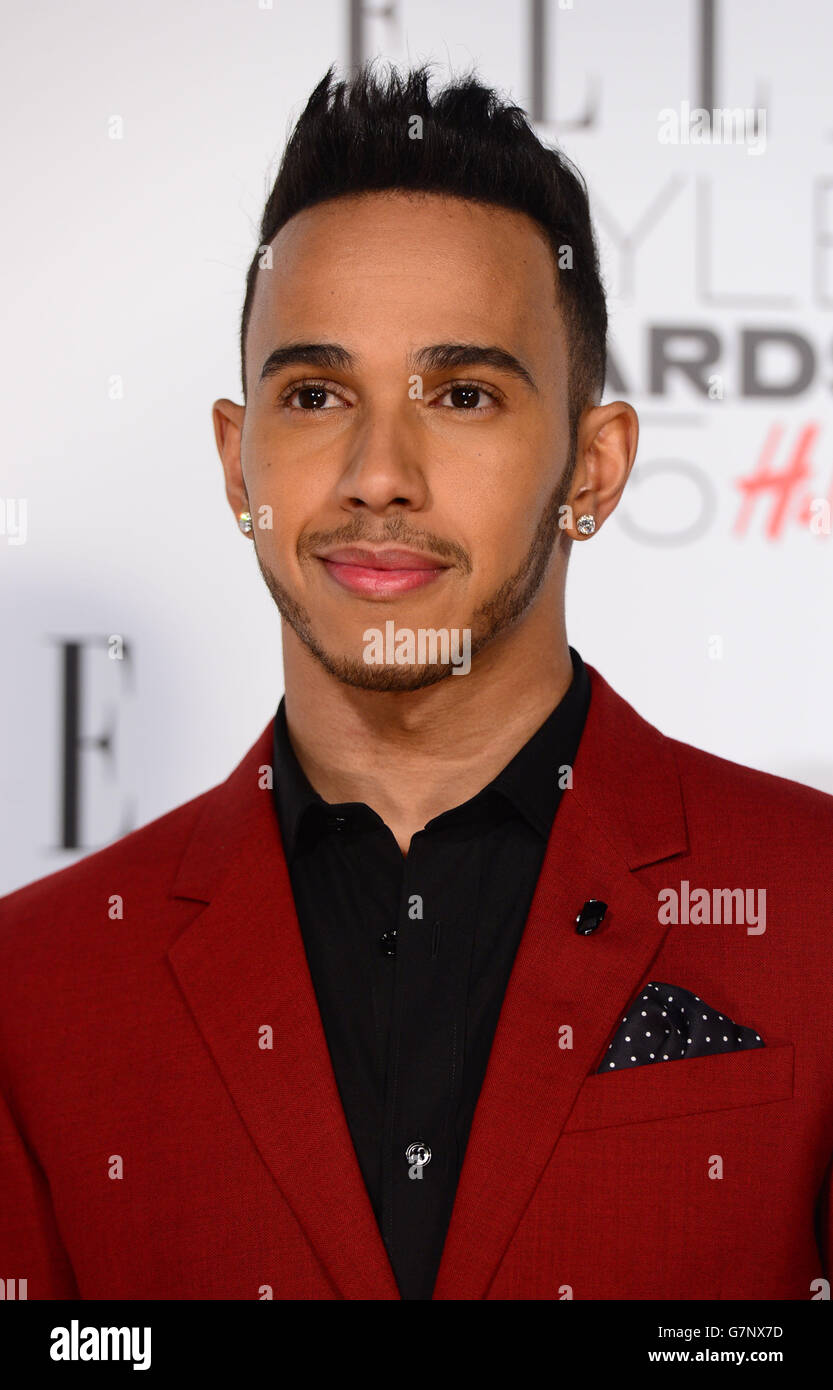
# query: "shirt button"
{"type": "Point", "coordinates": [418, 1153]}
{"type": "Point", "coordinates": [387, 942]}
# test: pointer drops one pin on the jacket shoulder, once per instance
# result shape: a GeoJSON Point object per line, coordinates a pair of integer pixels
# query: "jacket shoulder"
{"type": "Point", "coordinates": [732, 789]}
{"type": "Point", "coordinates": [65, 920]}
{"type": "Point", "coordinates": [144, 858]}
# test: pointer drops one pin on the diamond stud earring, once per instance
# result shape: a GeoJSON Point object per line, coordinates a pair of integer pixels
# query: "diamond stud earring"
{"type": "Point", "coordinates": [586, 524]}
{"type": "Point", "coordinates": [244, 521]}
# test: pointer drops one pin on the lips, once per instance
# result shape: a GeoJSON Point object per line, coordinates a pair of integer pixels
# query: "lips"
{"type": "Point", "coordinates": [381, 573]}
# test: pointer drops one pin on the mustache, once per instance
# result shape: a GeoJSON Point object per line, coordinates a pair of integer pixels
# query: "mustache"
{"type": "Point", "coordinates": [394, 529]}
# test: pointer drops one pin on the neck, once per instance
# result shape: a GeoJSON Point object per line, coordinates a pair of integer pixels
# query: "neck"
{"type": "Point", "coordinates": [411, 756]}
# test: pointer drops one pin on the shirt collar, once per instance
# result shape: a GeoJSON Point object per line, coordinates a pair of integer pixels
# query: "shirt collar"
{"type": "Point", "coordinates": [531, 783]}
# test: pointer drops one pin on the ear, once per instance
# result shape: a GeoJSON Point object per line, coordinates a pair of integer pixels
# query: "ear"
{"type": "Point", "coordinates": [228, 431]}
{"type": "Point", "coordinates": [605, 451]}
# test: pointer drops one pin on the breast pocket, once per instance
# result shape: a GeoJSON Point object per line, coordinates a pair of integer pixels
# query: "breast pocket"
{"type": "Point", "coordinates": [690, 1086]}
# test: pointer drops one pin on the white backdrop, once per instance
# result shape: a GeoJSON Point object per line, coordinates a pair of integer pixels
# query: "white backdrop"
{"type": "Point", "coordinates": [123, 264]}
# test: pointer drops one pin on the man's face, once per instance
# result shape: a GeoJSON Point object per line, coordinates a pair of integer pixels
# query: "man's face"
{"type": "Point", "coordinates": [381, 444]}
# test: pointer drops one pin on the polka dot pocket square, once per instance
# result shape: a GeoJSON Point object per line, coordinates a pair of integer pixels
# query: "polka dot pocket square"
{"type": "Point", "coordinates": [667, 1023]}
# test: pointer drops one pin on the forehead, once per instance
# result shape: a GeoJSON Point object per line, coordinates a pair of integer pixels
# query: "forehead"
{"type": "Point", "coordinates": [401, 269]}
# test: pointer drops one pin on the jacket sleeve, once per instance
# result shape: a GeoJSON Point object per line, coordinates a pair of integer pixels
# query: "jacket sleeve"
{"type": "Point", "coordinates": [30, 1246]}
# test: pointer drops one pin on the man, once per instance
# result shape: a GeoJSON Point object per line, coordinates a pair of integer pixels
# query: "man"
{"type": "Point", "coordinates": [354, 1023]}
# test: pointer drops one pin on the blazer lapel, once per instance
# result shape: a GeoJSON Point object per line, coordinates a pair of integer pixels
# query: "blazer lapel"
{"type": "Point", "coordinates": [242, 968]}
{"type": "Point", "coordinates": [623, 811]}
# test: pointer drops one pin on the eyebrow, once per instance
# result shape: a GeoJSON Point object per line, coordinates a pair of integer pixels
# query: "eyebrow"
{"type": "Point", "coordinates": [437, 358]}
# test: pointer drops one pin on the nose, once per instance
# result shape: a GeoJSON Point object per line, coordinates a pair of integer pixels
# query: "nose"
{"type": "Point", "coordinates": [385, 469]}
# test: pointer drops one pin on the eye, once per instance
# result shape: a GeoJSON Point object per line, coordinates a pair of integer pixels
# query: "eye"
{"type": "Point", "coordinates": [312, 396]}
{"type": "Point", "coordinates": [464, 396]}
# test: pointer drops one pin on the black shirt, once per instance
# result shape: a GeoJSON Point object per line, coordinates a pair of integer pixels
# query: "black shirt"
{"type": "Point", "coordinates": [410, 958]}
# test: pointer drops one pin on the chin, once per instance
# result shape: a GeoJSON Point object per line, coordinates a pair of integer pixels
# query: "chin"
{"type": "Point", "coordinates": [381, 678]}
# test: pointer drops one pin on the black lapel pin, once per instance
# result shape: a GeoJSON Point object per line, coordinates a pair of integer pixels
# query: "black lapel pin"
{"type": "Point", "coordinates": [590, 917]}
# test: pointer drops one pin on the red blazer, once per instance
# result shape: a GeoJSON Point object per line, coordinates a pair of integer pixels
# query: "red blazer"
{"type": "Point", "coordinates": [151, 1148]}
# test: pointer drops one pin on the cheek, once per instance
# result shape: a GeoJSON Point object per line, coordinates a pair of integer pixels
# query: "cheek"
{"type": "Point", "coordinates": [500, 515]}
{"type": "Point", "coordinates": [296, 491]}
